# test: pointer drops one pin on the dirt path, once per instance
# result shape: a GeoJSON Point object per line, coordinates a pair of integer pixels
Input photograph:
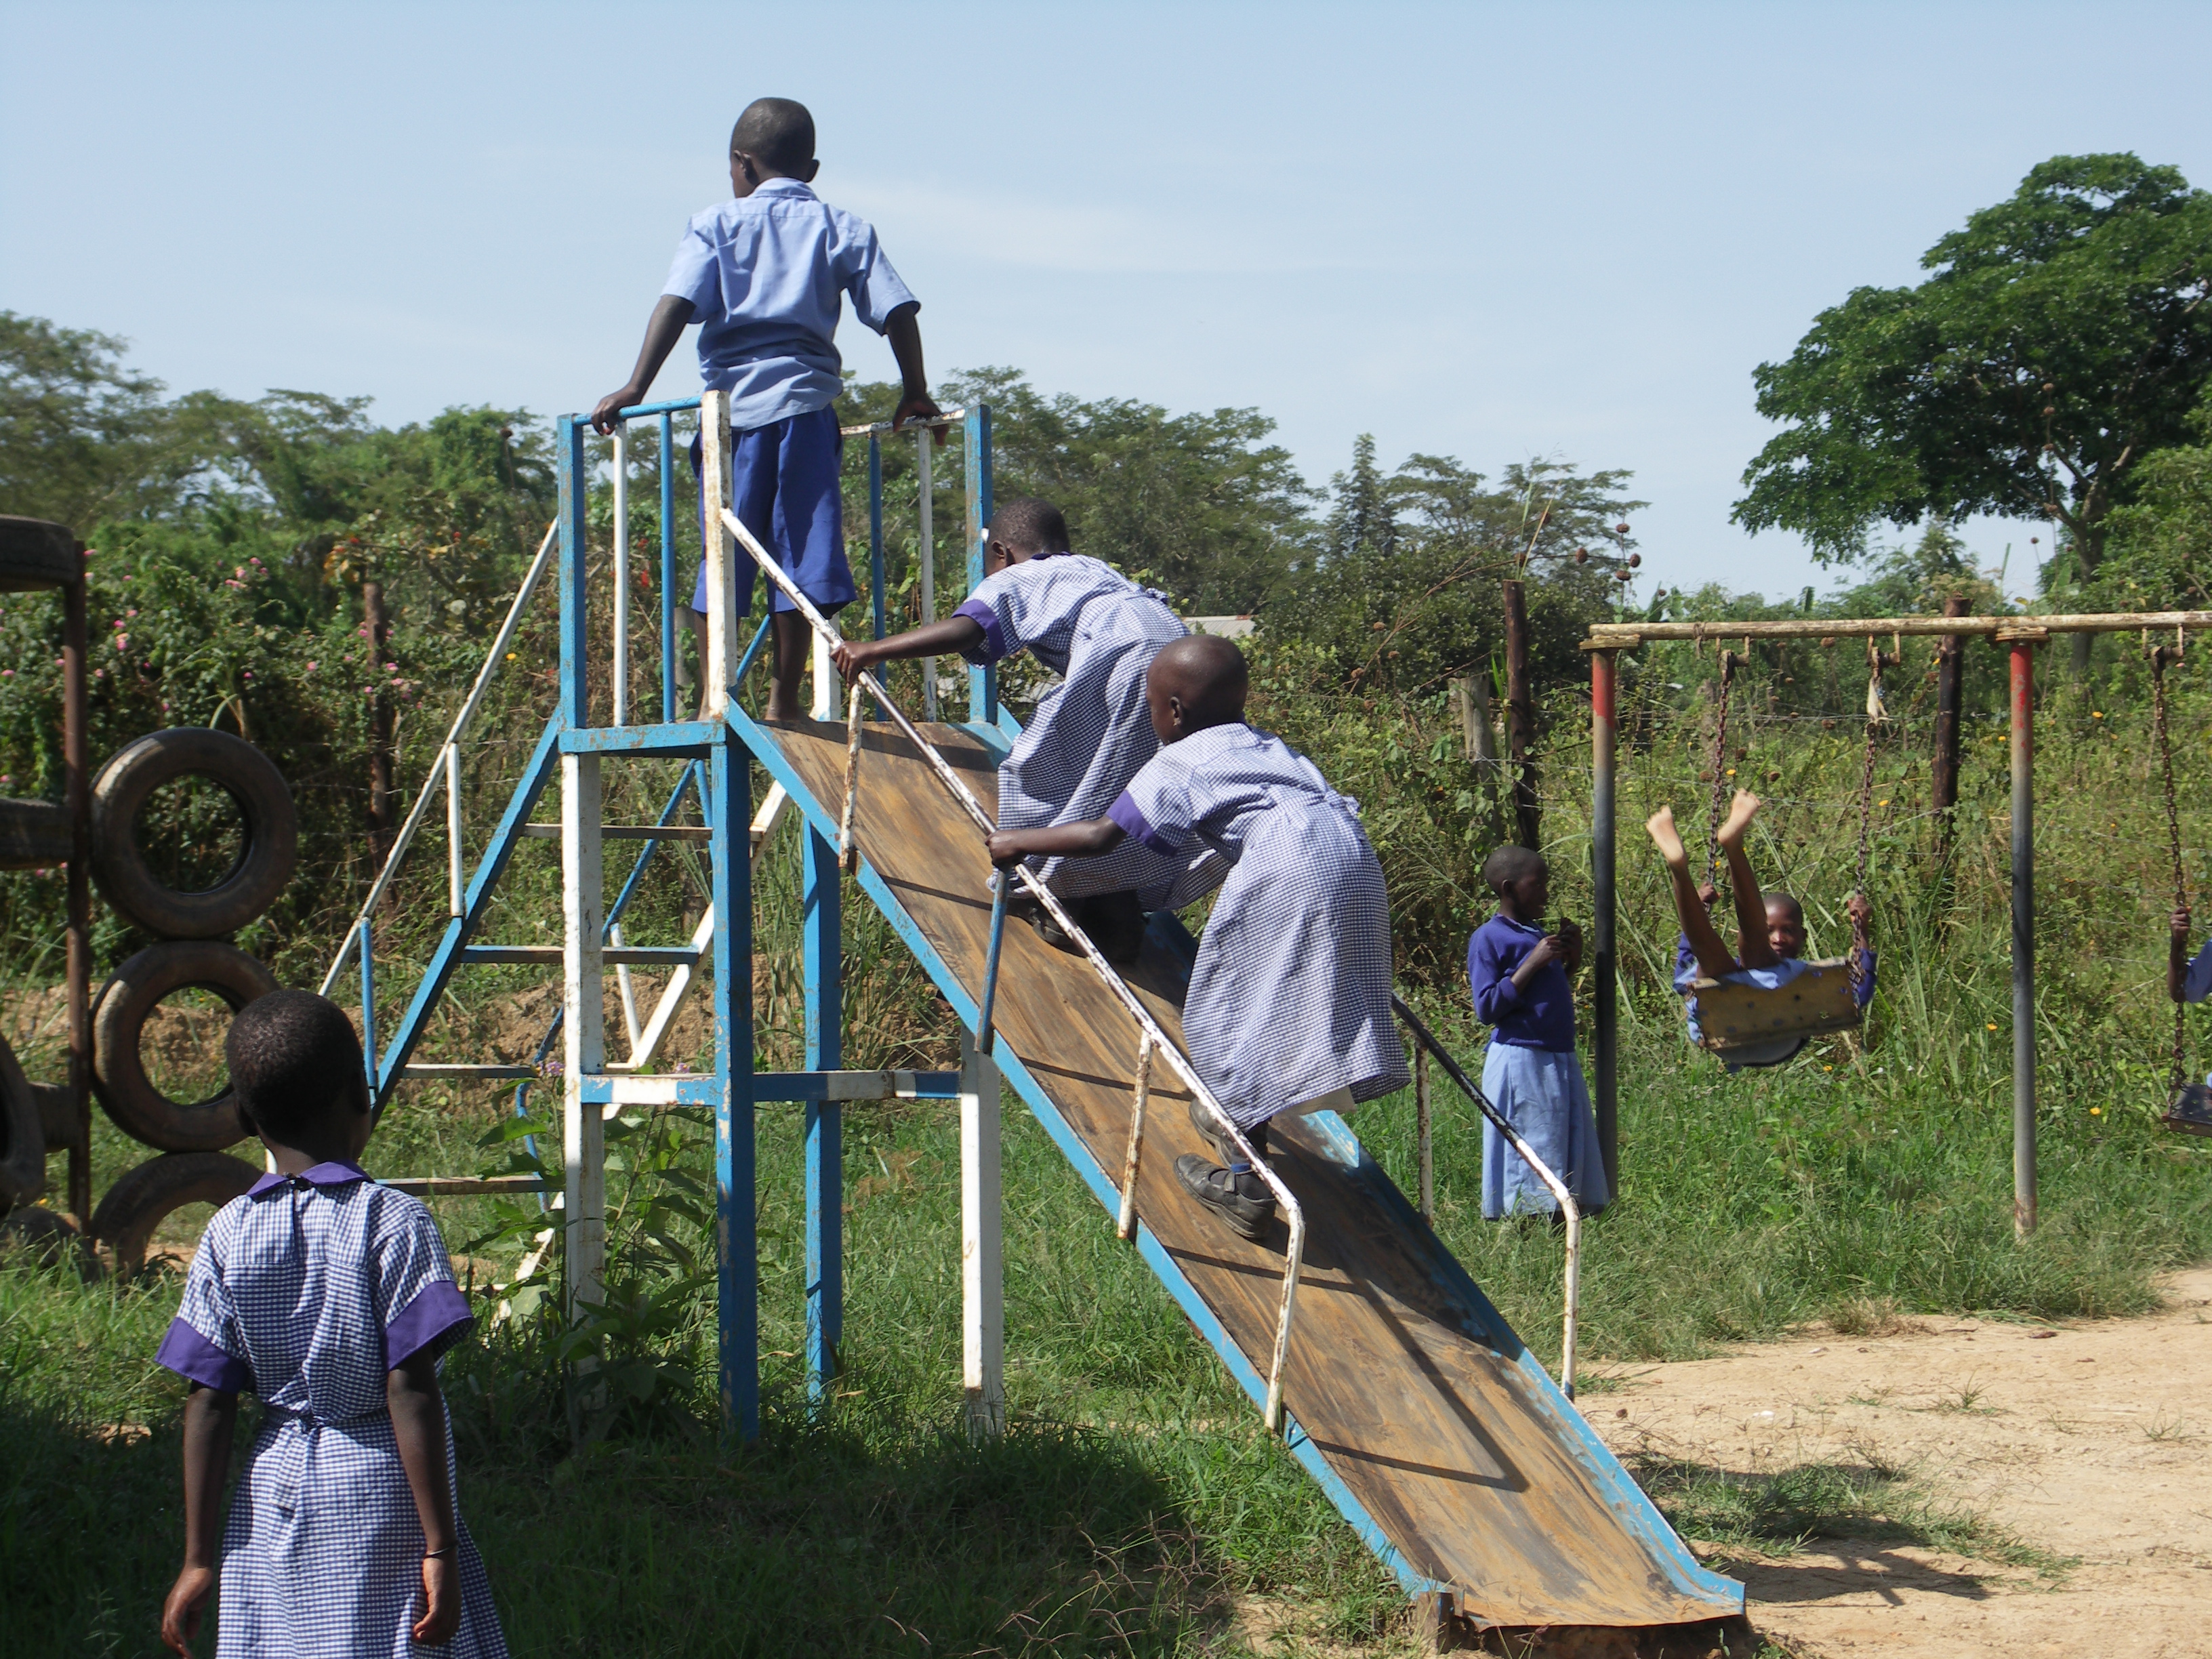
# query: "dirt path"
{"type": "Point", "coordinates": [2091, 1446]}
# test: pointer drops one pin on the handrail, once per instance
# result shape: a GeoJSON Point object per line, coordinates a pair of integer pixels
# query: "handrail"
{"type": "Point", "coordinates": [1146, 1024]}
{"type": "Point", "coordinates": [447, 765]}
{"type": "Point", "coordinates": [1568, 1207]}
{"type": "Point", "coordinates": [944, 417]}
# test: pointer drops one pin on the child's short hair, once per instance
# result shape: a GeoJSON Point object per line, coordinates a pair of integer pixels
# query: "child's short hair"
{"type": "Point", "coordinates": [294, 1061]}
{"type": "Point", "coordinates": [776, 130]}
{"type": "Point", "coordinates": [1508, 865]}
{"type": "Point", "coordinates": [1787, 902]}
{"type": "Point", "coordinates": [1031, 522]}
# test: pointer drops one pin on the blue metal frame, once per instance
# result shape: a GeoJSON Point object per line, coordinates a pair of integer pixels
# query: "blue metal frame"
{"type": "Point", "coordinates": [823, 928]}
{"type": "Point", "coordinates": [667, 567]}
{"type": "Point", "coordinates": [976, 433]}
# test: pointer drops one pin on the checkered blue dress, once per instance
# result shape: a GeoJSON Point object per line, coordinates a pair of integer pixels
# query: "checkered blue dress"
{"type": "Point", "coordinates": [1099, 632]}
{"type": "Point", "coordinates": [1290, 996]}
{"type": "Point", "coordinates": [306, 1292]}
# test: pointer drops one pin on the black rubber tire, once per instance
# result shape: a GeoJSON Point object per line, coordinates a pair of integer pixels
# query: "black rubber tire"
{"type": "Point", "coordinates": [34, 834]}
{"type": "Point", "coordinates": [22, 1136]}
{"type": "Point", "coordinates": [250, 779]}
{"type": "Point", "coordinates": [56, 1116]}
{"type": "Point", "coordinates": [35, 554]}
{"type": "Point", "coordinates": [118, 1017]}
{"type": "Point", "coordinates": [136, 1204]}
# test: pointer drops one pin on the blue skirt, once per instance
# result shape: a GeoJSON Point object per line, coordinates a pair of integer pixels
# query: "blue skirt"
{"type": "Point", "coordinates": [785, 488]}
{"type": "Point", "coordinates": [1541, 1094]}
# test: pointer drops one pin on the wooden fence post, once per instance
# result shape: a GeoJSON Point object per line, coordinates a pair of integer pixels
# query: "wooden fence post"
{"type": "Point", "coordinates": [1521, 717]}
{"type": "Point", "coordinates": [1943, 772]}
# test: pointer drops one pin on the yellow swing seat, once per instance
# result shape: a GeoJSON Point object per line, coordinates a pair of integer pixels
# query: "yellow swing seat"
{"type": "Point", "coordinates": [1735, 1018]}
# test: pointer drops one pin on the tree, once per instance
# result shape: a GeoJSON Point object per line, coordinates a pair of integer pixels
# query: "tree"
{"type": "Point", "coordinates": [1365, 520]}
{"type": "Point", "coordinates": [1199, 504]}
{"type": "Point", "coordinates": [82, 438]}
{"type": "Point", "coordinates": [2063, 337]}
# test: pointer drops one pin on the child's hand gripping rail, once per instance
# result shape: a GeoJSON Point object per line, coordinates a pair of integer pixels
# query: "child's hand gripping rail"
{"type": "Point", "coordinates": [1568, 1207]}
{"type": "Point", "coordinates": [1148, 1026]}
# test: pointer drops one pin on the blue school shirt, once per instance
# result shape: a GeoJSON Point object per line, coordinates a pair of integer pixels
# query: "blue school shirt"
{"type": "Point", "coordinates": [765, 273]}
{"type": "Point", "coordinates": [2196, 982]}
{"type": "Point", "coordinates": [1539, 1015]}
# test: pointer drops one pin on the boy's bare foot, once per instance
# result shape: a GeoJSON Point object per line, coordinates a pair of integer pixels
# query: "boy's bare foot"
{"type": "Point", "coordinates": [1668, 838]}
{"type": "Point", "coordinates": [1741, 811]}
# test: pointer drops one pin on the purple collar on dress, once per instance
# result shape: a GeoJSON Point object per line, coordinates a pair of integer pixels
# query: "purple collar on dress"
{"type": "Point", "coordinates": [337, 1173]}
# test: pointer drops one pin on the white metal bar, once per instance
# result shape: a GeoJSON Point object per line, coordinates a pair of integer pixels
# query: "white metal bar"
{"type": "Point", "coordinates": [583, 1137]}
{"type": "Point", "coordinates": [949, 418]}
{"type": "Point", "coordinates": [623, 981]}
{"type": "Point", "coordinates": [1571, 1286]}
{"type": "Point", "coordinates": [772, 808]}
{"type": "Point", "coordinates": [928, 571]}
{"type": "Point", "coordinates": [1134, 1157]}
{"type": "Point", "coordinates": [1293, 1211]}
{"type": "Point", "coordinates": [825, 682]}
{"type": "Point", "coordinates": [648, 1044]}
{"type": "Point", "coordinates": [622, 576]}
{"type": "Point", "coordinates": [458, 730]}
{"type": "Point", "coordinates": [456, 875]}
{"type": "Point", "coordinates": [848, 849]}
{"type": "Point", "coordinates": [721, 553]}
{"type": "Point", "coordinates": [983, 1252]}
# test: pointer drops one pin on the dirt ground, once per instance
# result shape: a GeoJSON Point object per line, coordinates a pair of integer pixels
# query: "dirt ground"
{"type": "Point", "coordinates": [2089, 1443]}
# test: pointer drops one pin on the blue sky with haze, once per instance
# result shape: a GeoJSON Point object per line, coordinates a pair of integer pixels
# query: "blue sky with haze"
{"type": "Point", "coordinates": [1489, 231]}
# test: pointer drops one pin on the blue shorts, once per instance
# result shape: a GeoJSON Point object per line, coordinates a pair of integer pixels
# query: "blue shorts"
{"type": "Point", "coordinates": [786, 492]}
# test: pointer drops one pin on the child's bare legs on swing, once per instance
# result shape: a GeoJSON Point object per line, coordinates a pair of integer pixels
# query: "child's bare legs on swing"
{"type": "Point", "coordinates": [1705, 943]}
{"type": "Point", "coordinates": [1754, 946]}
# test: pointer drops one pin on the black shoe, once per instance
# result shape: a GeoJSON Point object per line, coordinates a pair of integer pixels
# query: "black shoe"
{"type": "Point", "coordinates": [1226, 1195]}
{"type": "Point", "coordinates": [1115, 923]}
{"type": "Point", "coordinates": [1207, 1126]}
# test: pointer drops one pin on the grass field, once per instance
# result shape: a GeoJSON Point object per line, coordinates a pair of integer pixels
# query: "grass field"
{"type": "Point", "coordinates": [1136, 1504]}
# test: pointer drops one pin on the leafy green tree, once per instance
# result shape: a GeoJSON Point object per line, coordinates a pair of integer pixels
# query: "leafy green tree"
{"type": "Point", "coordinates": [1426, 606]}
{"type": "Point", "coordinates": [2160, 554]}
{"type": "Point", "coordinates": [2062, 338]}
{"type": "Point", "coordinates": [1364, 519]}
{"type": "Point", "coordinates": [1200, 504]}
{"type": "Point", "coordinates": [83, 437]}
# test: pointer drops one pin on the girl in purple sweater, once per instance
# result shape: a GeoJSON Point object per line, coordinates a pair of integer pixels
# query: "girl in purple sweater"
{"type": "Point", "coordinates": [1518, 974]}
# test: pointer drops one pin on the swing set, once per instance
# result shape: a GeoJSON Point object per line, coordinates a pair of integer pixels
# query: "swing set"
{"type": "Point", "coordinates": [1826, 988]}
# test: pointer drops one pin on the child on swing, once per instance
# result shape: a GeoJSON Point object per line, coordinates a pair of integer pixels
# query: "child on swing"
{"type": "Point", "coordinates": [332, 1298]}
{"type": "Point", "coordinates": [1091, 734]}
{"type": "Point", "coordinates": [1770, 929]}
{"type": "Point", "coordinates": [1518, 975]}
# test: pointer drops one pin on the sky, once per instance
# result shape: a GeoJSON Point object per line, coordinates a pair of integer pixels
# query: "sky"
{"type": "Point", "coordinates": [1494, 232]}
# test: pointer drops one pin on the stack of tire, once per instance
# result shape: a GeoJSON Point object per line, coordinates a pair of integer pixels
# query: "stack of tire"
{"type": "Point", "coordinates": [189, 1136]}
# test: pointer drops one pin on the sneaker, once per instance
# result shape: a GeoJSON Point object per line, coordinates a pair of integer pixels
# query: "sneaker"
{"type": "Point", "coordinates": [1226, 1196]}
{"type": "Point", "coordinates": [1115, 923]}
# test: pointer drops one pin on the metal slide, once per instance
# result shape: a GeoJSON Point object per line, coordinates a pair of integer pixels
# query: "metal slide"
{"type": "Point", "coordinates": [1431, 1426]}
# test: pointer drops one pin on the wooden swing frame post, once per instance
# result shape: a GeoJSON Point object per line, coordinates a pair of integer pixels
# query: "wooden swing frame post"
{"type": "Point", "coordinates": [2020, 636]}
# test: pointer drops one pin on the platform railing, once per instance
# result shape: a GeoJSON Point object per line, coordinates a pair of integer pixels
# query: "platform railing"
{"type": "Point", "coordinates": [736, 535]}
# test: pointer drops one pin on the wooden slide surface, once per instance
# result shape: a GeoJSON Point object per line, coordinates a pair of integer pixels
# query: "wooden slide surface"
{"type": "Point", "coordinates": [1422, 1401]}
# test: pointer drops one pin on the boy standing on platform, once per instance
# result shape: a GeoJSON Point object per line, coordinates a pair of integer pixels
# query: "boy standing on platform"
{"type": "Point", "coordinates": [764, 275]}
{"type": "Point", "coordinates": [1518, 974]}
{"type": "Point", "coordinates": [1091, 732]}
{"type": "Point", "coordinates": [1289, 1003]}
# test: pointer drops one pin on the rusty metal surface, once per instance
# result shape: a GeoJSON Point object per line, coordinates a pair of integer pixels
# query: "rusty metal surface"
{"type": "Point", "coordinates": [1423, 1402]}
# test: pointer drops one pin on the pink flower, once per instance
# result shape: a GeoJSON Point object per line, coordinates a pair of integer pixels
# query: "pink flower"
{"type": "Point", "coordinates": [311, 668]}
{"type": "Point", "coordinates": [122, 642]}
{"type": "Point", "coordinates": [7, 673]}
{"type": "Point", "coordinates": [118, 622]}
{"type": "Point", "coordinates": [392, 668]}
{"type": "Point", "coordinates": [249, 673]}
{"type": "Point", "coordinates": [239, 572]}
{"type": "Point", "coordinates": [130, 613]}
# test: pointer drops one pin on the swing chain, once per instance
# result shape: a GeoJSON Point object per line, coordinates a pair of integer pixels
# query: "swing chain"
{"type": "Point", "coordinates": [2161, 657]}
{"type": "Point", "coordinates": [1730, 663]}
{"type": "Point", "coordinates": [1877, 659]}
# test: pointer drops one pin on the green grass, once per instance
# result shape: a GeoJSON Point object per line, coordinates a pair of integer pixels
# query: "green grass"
{"type": "Point", "coordinates": [1135, 1499]}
